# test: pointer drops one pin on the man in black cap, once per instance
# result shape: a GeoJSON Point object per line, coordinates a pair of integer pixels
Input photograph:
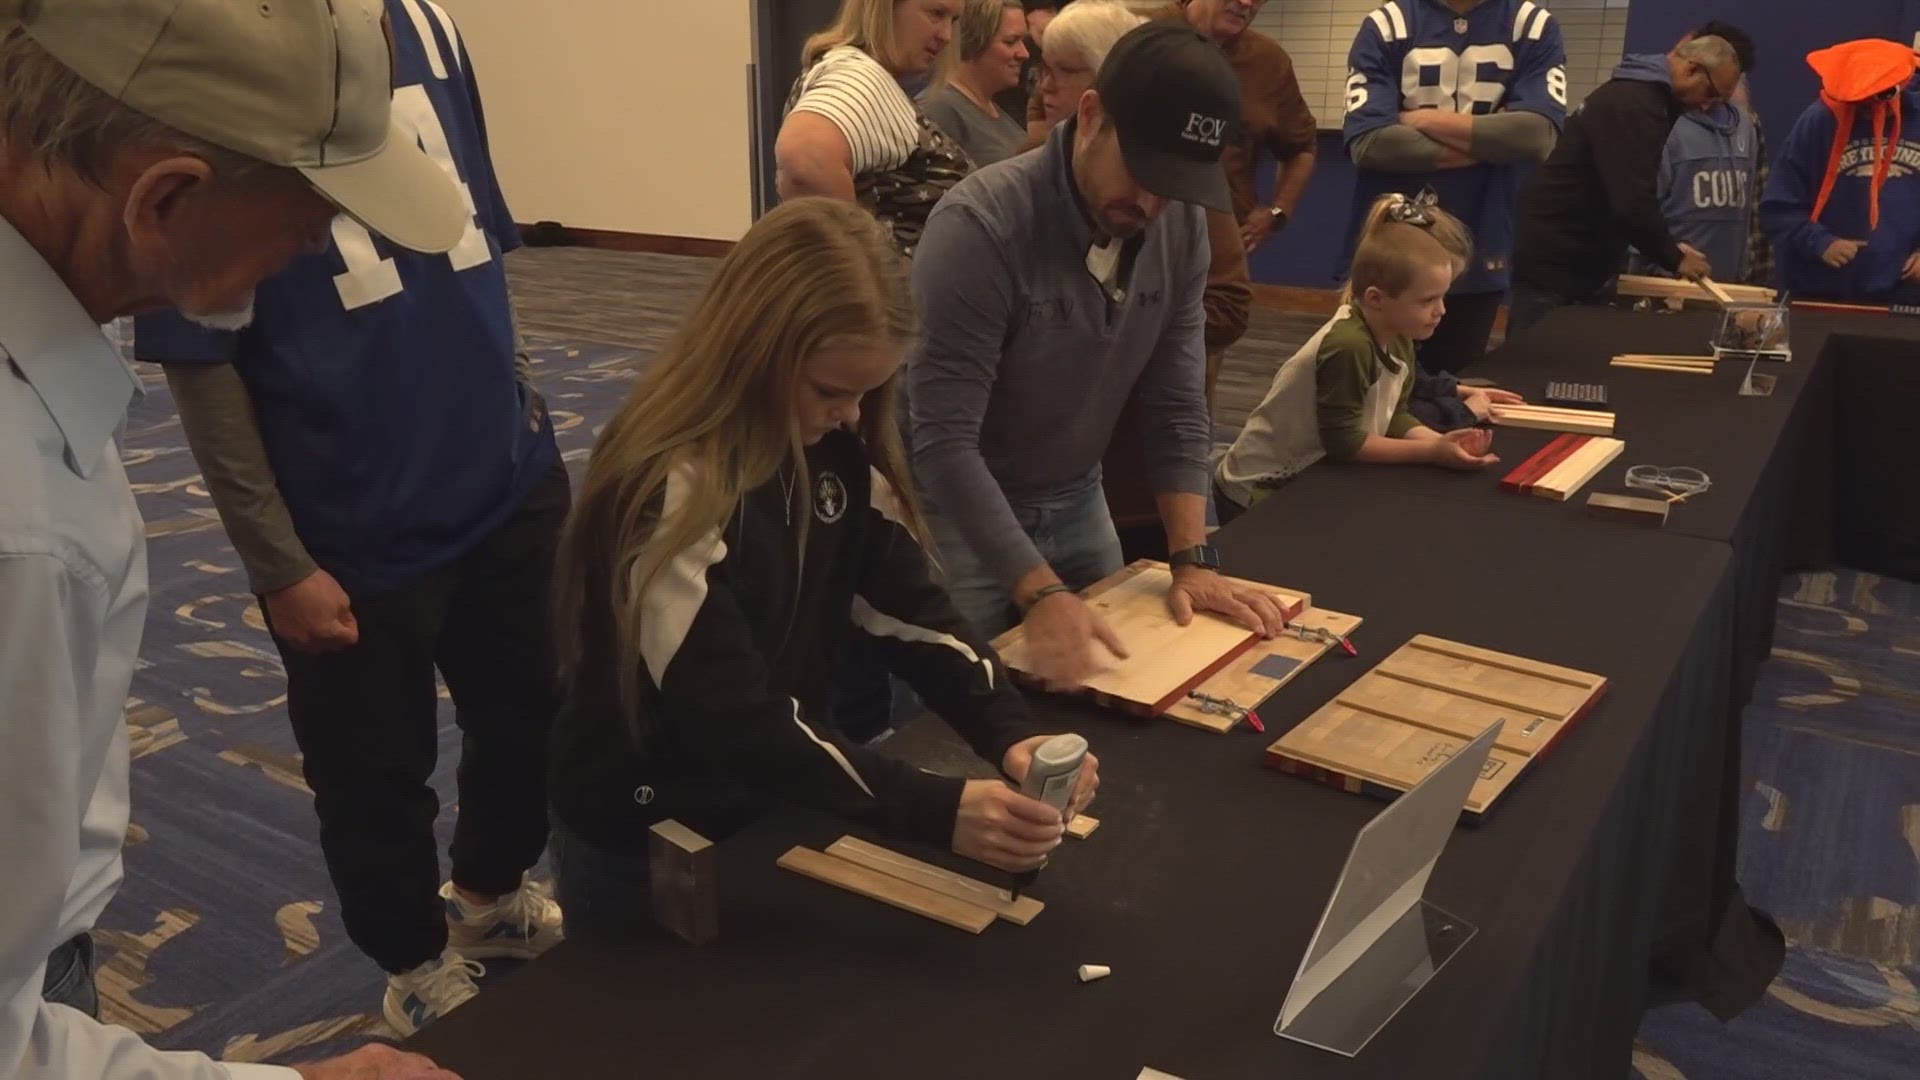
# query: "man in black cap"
{"type": "Point", "coordinates": [1050, 287]}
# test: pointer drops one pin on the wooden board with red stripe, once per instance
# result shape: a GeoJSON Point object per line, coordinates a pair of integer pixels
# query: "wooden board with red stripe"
{"type": "Point", "coordinates": [1393, 726]}
{"type": "Point", "coordinates": [1563, 466]}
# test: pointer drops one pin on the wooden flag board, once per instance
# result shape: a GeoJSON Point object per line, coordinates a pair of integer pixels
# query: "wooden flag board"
{"type": "Point", "coordinates": [1419, 706]}
{"type": "Point", "coordinates": [1167, 661]}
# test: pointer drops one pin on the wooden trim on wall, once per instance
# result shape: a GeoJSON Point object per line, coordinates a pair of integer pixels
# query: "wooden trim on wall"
{"type": "Point", "coordinates": [652, 243]}
{"type": "Point", "coordinates": [1299, 300]}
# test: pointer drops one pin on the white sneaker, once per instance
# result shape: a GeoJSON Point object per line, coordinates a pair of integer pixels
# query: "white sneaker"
{"type": "Point", "coordinates": [520, 925]}
{"type": "Point", "coordinates": [417, 998]}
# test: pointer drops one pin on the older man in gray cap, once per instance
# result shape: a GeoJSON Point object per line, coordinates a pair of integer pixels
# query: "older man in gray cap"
{"type": "Point", "coordinates": [153, 154]}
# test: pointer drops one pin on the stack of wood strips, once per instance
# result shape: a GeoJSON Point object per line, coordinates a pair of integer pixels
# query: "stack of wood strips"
{"type": "Point", "coordinates": [1553, 418]}
{"type": "Point", "coordinates": [1563, 467]}
{"type": "Point", "coordinates": [1661, 288]}
{"type": "Point", "coordinates": [1685, 365]}
{"type": "Point", "coordinates": [911, 885]}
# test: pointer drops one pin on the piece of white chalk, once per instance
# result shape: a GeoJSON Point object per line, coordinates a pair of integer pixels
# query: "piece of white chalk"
{"type": "Point", "coordinates": [1090, 972]}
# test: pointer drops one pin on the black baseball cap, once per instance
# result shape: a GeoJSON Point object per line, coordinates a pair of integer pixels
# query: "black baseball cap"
{"type": "Point", "coordinates": [1175, 103]}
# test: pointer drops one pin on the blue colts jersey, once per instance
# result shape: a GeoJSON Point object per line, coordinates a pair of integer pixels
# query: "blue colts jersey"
{"type": "Point", "coordinates": [385, 382]}
{"type": "Point", "coordinates": [1505, 55]}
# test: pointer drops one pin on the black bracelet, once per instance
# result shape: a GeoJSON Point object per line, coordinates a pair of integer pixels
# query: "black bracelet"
{"type": "Point", "coordinates": [1045, 591]}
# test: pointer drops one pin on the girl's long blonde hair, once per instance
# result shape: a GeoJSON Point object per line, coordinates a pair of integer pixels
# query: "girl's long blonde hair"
{"type": "Point", "coordinates": [717, 405]}
{"type": "Point", "coordinates": [1402, 236]}
{"type": "Point", "coordinates": [866, 25]}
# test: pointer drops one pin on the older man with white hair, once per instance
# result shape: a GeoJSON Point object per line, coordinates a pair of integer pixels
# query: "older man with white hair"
{"type": "Point", "coordinates": [153, 154]}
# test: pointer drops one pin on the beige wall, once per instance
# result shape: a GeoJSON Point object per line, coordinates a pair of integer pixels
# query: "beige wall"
{"type": "Point", "coordinates": [628, 115]}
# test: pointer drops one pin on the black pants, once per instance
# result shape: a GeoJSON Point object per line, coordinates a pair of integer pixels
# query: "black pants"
{"type": "Point", "coordinates": [1462, 337]}
{"type": "Point", "coordinates": [366, 721]}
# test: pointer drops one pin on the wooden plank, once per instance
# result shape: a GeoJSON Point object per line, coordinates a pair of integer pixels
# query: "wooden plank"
{"type": "Point", "coordinates": [684, 873]}
{"type": "Point", "coordinates": [1517, 480]}
{"type": "Point", "coordinates": [926, 875]}
{"type": "Point", "coordinates": [1239, 683]}
{"type": "Point", "coordinates": [1582, 466]}
{"type": "Point", "coordinates": [887, 889]}
{"type": "Point", "coordinates": [1576, 421]}
{"type": "Point", "coordinates": [1585, 680]}
{"type": "Point", "coordinates": [1662, 288]}
{"type": "Point", "coordinates": [1165, 659]}
{"type": "Point", "coordinates": [1449, 713]}
{"type": "Point", "coordinates": [1082, 826]}
{"type": "Point", "coordinates": [1524, 691]}
{"type": "Point", "coordinates": [1716, 290]}
{"type": "Point", "coordinates": [1628, 509]}
{"type": "Point", "coordinates": [1292, 599]}
{"type": "Point", "coordinates": [1675, 358]}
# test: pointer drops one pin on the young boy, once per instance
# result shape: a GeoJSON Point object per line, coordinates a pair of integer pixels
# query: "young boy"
{"type": "Point", "coordinates": [1345, 394]}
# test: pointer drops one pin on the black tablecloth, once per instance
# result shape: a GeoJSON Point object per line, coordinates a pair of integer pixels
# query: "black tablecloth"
{"type": "Point", "coordinates": [1605, 876]}
{"type": "Point", "coordinates": [1876, 373]}
{"type": "Point", "coordinates": [1209, 872]}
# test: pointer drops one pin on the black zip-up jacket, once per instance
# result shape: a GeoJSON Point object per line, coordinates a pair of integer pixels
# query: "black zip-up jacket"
{"type": "Point", "coordinates": [738, 635]}
{"type": "Point", "coordinates": [1598, 192]}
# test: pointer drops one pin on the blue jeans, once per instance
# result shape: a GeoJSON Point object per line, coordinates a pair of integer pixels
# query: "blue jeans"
{"type": "Point", "coordinates": [1074, 533]}
{"type": "Point", "coordinates": [599, 891]}
{"type": "Point", "coordinates": [69, 978]}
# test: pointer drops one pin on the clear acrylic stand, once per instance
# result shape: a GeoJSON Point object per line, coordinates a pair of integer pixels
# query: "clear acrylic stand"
{"type": "Point", "coordinates": [1380, 941]}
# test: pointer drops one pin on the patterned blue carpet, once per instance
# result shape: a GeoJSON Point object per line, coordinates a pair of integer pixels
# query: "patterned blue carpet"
{"type": "Point", "coordinates": [226, 938]}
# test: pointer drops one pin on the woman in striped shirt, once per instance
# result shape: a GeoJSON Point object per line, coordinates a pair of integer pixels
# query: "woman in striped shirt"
{"type": "Point", "coordinates": [852, 130]}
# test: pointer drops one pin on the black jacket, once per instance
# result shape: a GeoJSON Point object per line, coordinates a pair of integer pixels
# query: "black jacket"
{"type": "Point", "coordinates": [1598, 191]}
{"type": "Point", "coordinates": [739, 635]}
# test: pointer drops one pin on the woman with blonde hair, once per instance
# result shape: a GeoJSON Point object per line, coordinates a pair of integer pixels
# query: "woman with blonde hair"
{"type": "Point", "coordinates": [993, 53]}
{"type": "Point", "coordinates": [746, 510]}
{"type": "Point", "coordinates": [852, 130]}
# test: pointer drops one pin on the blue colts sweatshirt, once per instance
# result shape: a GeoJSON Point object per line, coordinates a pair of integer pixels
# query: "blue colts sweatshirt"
{"type": "Point", "coordinates": [1707, 191]}
{"type": "Point", "coordinates": [1801, 243]}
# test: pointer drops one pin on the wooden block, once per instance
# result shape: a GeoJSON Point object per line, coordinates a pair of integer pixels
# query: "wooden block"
{"type": "Point", "coordinates": [685, 881]}
{"type": "Point", "coordinates": [1628, 509]}
{"type": "Point", "coordinates": [1663, 288]}
{"type": "Point", "coordinates": [1082, 826]}
{"type": "Point", "coordinates": [887, 889]}
{"type": "Point", "coordinates": [1581, 466]}
{"type": "Point", "coordinates": [1530, 469]}
{"type": "Point", "coordinates": [940, 880]}
{"type": "Point", "coordinates": [1240, 683]}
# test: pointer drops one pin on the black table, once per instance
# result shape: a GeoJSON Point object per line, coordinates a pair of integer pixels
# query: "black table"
{"type": "Point", "coordinates": [1605, 879]}
{"type": "Point", "coordinates": [1209, 872]}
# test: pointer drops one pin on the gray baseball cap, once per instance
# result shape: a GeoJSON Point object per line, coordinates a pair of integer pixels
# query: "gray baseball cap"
{"type": "Point", "coordinates": [304, 84]}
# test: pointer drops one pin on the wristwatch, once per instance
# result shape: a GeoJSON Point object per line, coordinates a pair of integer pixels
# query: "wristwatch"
{"type": "Point", "coordinates": [1204, 556]}
{"type": "Point", "coordinates": [1280, 217]}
